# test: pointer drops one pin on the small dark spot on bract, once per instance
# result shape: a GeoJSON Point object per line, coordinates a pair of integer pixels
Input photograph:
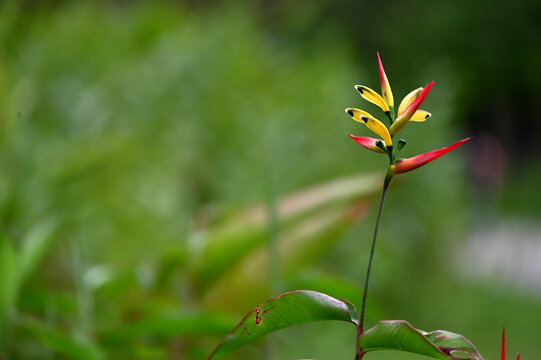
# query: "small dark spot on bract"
{"type": "Point", "coordinates": [257, 311]}
{"type": "Point", "coordinates": [360, 89]}
{"type": "Point", "coordinates": [257, 320]}
{"type": "Point", "coordinates": [350, 113]}
{"type": "Point", "coordinates": [427, 116]}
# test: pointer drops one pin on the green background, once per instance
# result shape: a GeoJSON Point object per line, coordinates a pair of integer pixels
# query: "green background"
{"type": "Point", "coordinates": [146, 149]}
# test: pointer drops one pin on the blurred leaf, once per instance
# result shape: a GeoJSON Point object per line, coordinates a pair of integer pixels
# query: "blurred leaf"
{"type": "Point", "coordinates": [337, 286]}
{"type": "Point", "coordinates": [400, 335]}
{"type": "Point", "coordinates": [62, 343]}
{"type": "Point", "coordinates": [289, 309]}
{"type": "Point", "coordinates": [246, 230]}
{"type": "Point", "coordinates": [172, 326]}
{"type": "Point", "coordinates": [34, 247]}
{"type": "Point", "coordinates": [8, 276]}
{"type": "Point", "coordinates": [298, 246]}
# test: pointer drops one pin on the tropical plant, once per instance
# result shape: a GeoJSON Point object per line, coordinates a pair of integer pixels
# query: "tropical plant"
{"type": "Point", "coordinates": [298, 307]}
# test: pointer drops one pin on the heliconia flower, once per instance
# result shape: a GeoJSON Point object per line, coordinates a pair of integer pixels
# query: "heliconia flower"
{"type": "Point", "coordinates": [503, 347]}
{"type": "Point", "coordinates": [372, 123]}
{"type": "Point", "coordinates": [410, 110]}
{"type": "Point", "coordinates": [405, 165]}
{"type": "Point", "coordinates": [385, 87]}
{"type": "Point", "coordinates": [368, 142]}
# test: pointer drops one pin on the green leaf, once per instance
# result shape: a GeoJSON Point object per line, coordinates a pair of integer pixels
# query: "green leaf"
{"type": "Point", "coordinates": [289, 309]}
{"type": "Point", "coordinates": [8, 275]}
{"type": "Point", "coordinates": [400, 335]}
{"type": "Point", "coordinates": [8, 290]}
{"type": "Point", "coordinates": [62, 343]}
{"type": "Point", "coordinates": [35, 245]}
{"type": "Point", "coordinates": [245, 231]}
{"type": "Point", "coordinates": [297, 247]}
{"type": "Point", "coordinates": [454, 344]}
{"type": "Point", "coordinates": [171, 326]}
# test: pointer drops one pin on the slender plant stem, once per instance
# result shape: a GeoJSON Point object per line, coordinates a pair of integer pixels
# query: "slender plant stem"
{"type": "Point", "coordinates": [273, 229]}
{"type": "Point", "coordinates": [371, 256]}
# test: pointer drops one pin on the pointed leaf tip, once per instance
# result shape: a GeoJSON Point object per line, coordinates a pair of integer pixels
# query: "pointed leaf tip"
{"type": "Point", "coordinates": [409, 164]}
{"type": "Point", "coordinates": [386, 92]}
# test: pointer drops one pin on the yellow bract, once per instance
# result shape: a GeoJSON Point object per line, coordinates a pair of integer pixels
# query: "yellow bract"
{"type": "Point", "coordinates": [420, 115]}
{"type": "Point", "coordinates": [407, 111]}
{"type": "Point", "coordinates": [372, 123]}
{"type": "Point", "coordinates": [408, 99]}
{"type": "Point", "coordinates": [372, 96]}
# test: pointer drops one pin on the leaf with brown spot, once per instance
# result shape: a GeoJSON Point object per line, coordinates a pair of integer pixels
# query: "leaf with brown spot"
{"type": "Point", "coordinates": [289, 309]}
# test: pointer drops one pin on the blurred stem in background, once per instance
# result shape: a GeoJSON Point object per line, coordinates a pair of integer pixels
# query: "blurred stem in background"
{"type": "Point", "coordinates": [84, 295]}
{"type": "Point", "coordinates": [273, 230]}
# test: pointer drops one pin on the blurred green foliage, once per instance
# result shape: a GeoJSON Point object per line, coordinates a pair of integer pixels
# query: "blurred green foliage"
{"type": "Point", "coordinates": [137, 140]}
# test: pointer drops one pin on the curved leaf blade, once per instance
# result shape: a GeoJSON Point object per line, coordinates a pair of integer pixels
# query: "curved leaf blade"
{"type": "Point", "coordinates": [400, 335]}
{"type": "Point", "coordinates": [286, 310]}
{"type": "Point", "coordinates": [456, 345]}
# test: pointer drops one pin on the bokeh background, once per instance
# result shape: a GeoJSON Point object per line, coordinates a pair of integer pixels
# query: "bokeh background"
{"type": "Point", "coordinates": [166, 166]}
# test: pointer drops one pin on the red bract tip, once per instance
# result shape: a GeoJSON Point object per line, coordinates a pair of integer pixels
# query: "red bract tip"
{"type": "Point", "coordinates": [503, 344]}
{"type": "Point", "coordinates": [414, 106]}
{"type": "Point", "coordinates": [413, 163]}
{"type": "Point", "coordinates": [367, 142]}
{"type": "Point", "coordinates": [385, 87]}
{"type": "Point", "coordinates": [518, 356]}
{"type": "Point", "coordinates": [381, 72]}
{"type": "Point", "coordinates": [406, 115]}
